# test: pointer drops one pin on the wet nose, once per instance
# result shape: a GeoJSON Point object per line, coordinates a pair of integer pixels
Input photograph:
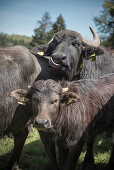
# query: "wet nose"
{"type": "Point", "coordinates": [58, 58]}
{"type": "Point", "coordinates": [40, 122]}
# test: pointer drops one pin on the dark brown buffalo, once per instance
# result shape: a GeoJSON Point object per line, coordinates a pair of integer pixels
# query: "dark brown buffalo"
{"type": "Point", "coordinates": [18, 69]}
{"type": "Point", "coordinates": [73, 113]}
{"type": "Point", "coordinates": [73, 54]}
{"type": "Point", "coordinates": [77, 58]}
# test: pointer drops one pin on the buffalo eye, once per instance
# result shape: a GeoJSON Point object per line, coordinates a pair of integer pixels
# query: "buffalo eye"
{"type": "Point", "coordinates": [54, 101]}
{"type": "Point", "coordinates": [64, 57]}
{"type": "Point", "coordinates": [78, 43]}
{"type": "Point", "coordinates": [74, 42]}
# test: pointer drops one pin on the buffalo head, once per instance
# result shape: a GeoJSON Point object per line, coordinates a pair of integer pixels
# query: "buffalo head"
{"type": "Point", "coordinates": [68, 49]}
{"type": "Point", "coordinates": [45, 98]}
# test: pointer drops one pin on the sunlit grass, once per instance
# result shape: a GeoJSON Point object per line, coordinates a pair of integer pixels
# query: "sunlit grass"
{"type": "Point", "coordinates": [33, 156]}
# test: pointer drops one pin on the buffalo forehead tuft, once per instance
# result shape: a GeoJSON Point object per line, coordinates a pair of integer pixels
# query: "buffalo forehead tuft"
{"type": "Point", "coordinates": [48, 85]}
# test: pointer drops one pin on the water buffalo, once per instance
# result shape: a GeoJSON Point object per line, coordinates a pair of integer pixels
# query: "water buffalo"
{"type": "Point", "coordinates": [72, 54]}
{"type": "Point", "coordinates": [18, 69]}
{"type": "Point", "coordinates": [77, 57]}
{"type": "Point", "coordinates": [73, 113]}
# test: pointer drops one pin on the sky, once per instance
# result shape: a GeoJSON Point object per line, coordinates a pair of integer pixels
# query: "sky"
{"type": "Point", "coordinates": [21, 16]}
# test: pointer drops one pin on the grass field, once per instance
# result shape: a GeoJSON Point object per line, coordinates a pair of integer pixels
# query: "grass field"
{"type": "Point", "coordinates": [33, 156]}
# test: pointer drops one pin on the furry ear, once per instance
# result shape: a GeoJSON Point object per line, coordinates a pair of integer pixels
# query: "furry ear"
{"type": "Point", "coordinates": [69, 98]}
{"type": "Point", "coordinates": [99, 50]}
{"type": "Point", "coordinates": [41, 53]}
{"type": "Point", "coordinates": [92, 52]}
{"type": "Point", "coordinates": [20, 94]}
{"type": "Point", "coordinates": [40, 50]}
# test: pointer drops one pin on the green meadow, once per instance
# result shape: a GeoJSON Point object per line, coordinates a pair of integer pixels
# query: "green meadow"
{"type": "Point", "coordinates": [33, 156]}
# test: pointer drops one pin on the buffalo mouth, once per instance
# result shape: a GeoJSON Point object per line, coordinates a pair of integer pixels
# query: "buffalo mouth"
{"type": "Point", "coordinates": [59, 66]}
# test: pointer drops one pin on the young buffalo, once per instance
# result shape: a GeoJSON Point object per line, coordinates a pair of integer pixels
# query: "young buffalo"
{"type": "Point", "coordinates": [74, 112]}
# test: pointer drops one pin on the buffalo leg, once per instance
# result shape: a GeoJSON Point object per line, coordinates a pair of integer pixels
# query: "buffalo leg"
{"type": "Point", "coordinates": [89, 158]}
{"type": "Point", "coordinates": [63, 151]}
{"type": "Point", "coordinates": [73, 155]}
{"type": "Point", "coordinates": [111, 161]}
{"type": "Point", "coordinates": [19, 140]}
{"type": "Point", "coordinates": [49, 146]}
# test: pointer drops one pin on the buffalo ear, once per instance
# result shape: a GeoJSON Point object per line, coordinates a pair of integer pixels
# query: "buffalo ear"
{"type": "Point", "coordinates": [92, 52]}
{"type": "Point", "coordinates": [99, 50]}
{"type": "Point", "coordinates": [40, 50]}
{"type": "Point", "coordinates": [69, 98]}
{"type": "Point", "coordinates": [20, 94]}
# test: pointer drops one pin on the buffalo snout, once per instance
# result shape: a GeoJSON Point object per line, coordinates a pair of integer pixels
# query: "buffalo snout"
{"type": "Point", "coordinates": [58, 58]}
{"type": "Point", "coordinates": [41, 123]}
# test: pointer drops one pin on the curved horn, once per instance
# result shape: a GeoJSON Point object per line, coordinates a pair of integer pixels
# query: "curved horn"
{"type": "Point", "coordinates": [52, 63]}
{"type": "Point", "coordinates": [95, 42]}
{"type": "Point", "coordinates": [50, 40]}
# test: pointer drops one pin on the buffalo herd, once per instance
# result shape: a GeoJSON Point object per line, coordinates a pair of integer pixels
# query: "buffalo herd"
{"type": "Point", "coordinates": [47, 76]}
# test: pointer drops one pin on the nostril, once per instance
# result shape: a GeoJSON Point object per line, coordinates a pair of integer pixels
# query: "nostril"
{"type": "Point", "coordinates": [35, 124]}
{"type": "Point", "coordinates": [64, 57]}
{"type": "Point", "coordinates": [54, 56]}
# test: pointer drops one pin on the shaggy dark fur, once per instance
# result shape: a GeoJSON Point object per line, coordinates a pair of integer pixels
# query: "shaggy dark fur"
{"type": "Point", "coordinates": [69, 43]}
{"type": "Point", "coordinates": [103, 65]}
{"type": "Point", "coordinates": [77, 63]}
{"type": "Point", "coordinates": [18, 69]}
{"type": "Point", "coordinates": [94, 95]}
{"type": "Point", "coordinates": [80, 121]}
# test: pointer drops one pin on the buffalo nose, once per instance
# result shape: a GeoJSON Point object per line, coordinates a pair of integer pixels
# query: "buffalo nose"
{"type": "Point", "coordinates": [58, 58]}
{"type": "Point", "coordinates": [40, 122]}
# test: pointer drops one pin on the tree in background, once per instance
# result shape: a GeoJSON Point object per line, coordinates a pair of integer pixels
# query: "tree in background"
{"type": "Point", "coordinates": [12, 40]}
{"type": "Point", "coordinates": [105, 23]}
{"type": "Point", "coordinates": [59, 24]}
{"type": "Point", "coordinates": [45, 29]}
{"type": "Point", "coordinates": [41, 33]}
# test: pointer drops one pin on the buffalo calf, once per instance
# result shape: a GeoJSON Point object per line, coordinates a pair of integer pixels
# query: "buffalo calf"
{"type": "Point", "coordinates": [73, 113]}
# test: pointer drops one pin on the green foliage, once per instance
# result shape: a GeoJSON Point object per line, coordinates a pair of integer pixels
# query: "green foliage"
{"type": "Point", "coordinates": [109, 41]}
{"type": "Point", "coordinates": [105, 22]}
{"type": "Point", "coordinates": [12, 40]}
{"type": "Point", "coordinates": [44, 32]}
{"type": "Point", "coordinates": [59, 24]}
{"type": "Point", "coordinates": [34, 157]}
{"type": "Point", "coordinates": [41, 33]}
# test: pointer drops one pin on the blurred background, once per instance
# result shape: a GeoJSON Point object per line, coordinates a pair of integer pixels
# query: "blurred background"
{"type": "Point", "coordinates": [31, 23]}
